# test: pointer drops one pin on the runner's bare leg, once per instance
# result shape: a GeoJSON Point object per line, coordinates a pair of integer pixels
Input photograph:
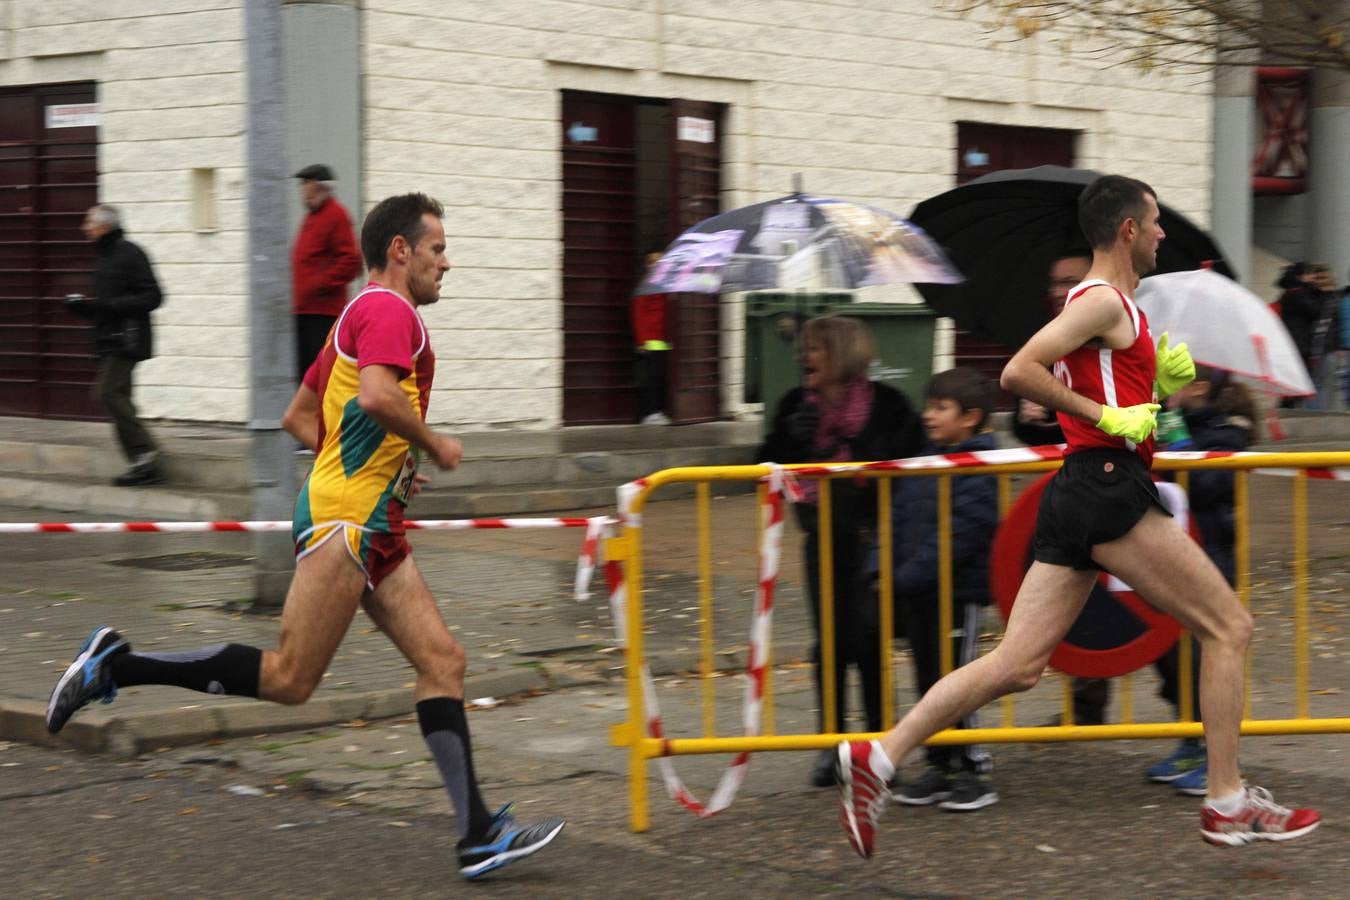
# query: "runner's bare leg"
{"type": "Point", "coordinates": [1047, 604]}
{"type": "Point", "coordinates": [319, 608]}
{"type": "Point", "coordinates": [405, 610]}
{"type": "Point", "coordinates": [1172, 572]}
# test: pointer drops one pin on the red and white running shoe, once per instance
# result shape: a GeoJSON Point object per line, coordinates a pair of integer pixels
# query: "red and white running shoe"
{"type": "Point", "coordinates": [1261, 819]}
{"type": "Point", "coordinates": [863, 793]}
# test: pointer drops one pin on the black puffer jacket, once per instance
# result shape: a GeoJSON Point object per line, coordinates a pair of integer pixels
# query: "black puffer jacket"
{"type": "Point", "coordinates": [974, 519]}
{"type": "Point", "coordinates": [125, 291]}
{"type": "Point", "coordinates": [893, 431]}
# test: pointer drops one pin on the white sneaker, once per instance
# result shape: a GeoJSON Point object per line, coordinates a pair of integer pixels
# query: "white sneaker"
{"type": "Point", "coordinates": [656, 418]}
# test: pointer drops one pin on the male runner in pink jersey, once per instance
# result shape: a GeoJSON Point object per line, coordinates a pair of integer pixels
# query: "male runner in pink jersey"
{"type": "Point", "coordinates": [362, 407]}
{"type": "Point", "coordinates": [1100, 512]}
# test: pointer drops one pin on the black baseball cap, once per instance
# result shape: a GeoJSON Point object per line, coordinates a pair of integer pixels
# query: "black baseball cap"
{"type": "Point", "coordinates": [316, 172]}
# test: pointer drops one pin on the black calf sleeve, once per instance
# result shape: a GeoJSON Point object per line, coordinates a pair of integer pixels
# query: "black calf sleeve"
{"type": "Point", "coordinates": [446, 731]}
{"type": "Point", "coordinates": [222, 669]}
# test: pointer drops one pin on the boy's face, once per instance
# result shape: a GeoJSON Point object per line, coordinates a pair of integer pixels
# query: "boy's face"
{"type": "Point", "coordinates": [946, 423]}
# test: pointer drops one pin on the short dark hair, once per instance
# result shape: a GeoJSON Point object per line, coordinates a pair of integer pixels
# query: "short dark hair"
{"type": "Point", "coordinates": [391, 217]}
{"type": "Point", "coordinates": [967, 387]}
{"type": "Point", "coordinates": [1107, 202]}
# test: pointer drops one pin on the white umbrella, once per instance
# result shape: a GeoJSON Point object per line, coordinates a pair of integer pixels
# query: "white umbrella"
{"type": "Point", "coordinates": [1226, 326]}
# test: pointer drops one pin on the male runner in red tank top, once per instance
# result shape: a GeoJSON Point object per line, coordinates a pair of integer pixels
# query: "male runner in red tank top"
{"type": "Point", "coordinates": [1096, 365]}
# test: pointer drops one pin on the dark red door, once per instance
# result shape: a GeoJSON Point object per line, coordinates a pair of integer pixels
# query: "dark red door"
{"type": "Point", "coordinates": [981, 149]}
{"type": "Point", "coordinates": [48, 178]}
{"type": "Point", "coordinates": [695, 178]}
{"type": "Point", "coordinates": [599, 253]}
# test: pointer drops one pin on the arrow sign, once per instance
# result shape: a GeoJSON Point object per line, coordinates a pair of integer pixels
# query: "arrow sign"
{"type": "Point", "coordinates": [581, 133]}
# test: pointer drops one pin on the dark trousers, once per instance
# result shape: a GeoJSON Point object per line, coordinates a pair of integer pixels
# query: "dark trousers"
{"type": "Point", "coordinates": [920, 615]}
{"type": "Point", "coordinates": [651, 378]}
{"type": "Point", "coordinates": [857, 632]}
{"type": "Point", "coordinates": [310, 333]}
{"type": "Point", "coordinates": [113, 390]}
{"type": "Point", "coordinates": [1091, 695]}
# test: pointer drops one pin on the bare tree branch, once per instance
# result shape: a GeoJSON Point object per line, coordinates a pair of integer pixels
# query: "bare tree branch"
{"type": "Point", "coordinates": [1179, 33]}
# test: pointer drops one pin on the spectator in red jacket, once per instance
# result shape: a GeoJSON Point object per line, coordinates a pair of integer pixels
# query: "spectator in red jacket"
{"type": "Point", "coordinates": [653, 348]}
{"type": "Point", "coordinates": [323, 261]}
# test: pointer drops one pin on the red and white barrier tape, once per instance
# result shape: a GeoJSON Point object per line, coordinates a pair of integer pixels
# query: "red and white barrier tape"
{"type": "Point", "coordinates": [760, 636]}
{"type": "Point", "coordinates": [1036, 454]}
{"type": "Point", "coordinates": [590, 546]}
{"type": "Point", "coordinates": [585, 561]}
{"type": "Point", "coordinates": [198, 527]}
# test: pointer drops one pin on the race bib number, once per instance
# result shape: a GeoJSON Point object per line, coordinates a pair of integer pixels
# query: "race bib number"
{"type": "Point", "coordinates": [407, 477]}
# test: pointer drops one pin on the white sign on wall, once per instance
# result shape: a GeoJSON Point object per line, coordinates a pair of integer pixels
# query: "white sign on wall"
{"type": "Point", "coordinates": [694, 130]}
{"type": "Point", "coordinates": [72, 115]}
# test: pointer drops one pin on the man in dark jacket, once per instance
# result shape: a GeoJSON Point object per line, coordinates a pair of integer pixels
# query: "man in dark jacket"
{"type": "Point", "coordinates": [125, 291]}
{"type": "Point", "coordinates": [323, 260]}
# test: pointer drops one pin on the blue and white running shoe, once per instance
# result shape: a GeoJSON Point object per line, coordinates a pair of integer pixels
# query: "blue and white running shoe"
{"type": "Point", "coordinates": [86, 679]}
{"type": "Point", "coordinates": [1194, 783]}
{"type": "Point", "coordinates": [1189, 756]}
{"type": "Point", "coordinates": [505, 843]}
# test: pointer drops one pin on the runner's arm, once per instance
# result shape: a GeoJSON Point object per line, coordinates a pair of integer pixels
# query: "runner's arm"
{"type": "Point", "coordinates": [301, 418]}
{"type": "Point", "coordinates": [1028, 374]}
{"type": "Point", "coordinates": [381, 398]}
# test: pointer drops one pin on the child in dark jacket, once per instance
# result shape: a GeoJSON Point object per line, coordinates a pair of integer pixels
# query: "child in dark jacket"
{"type": "Point", "coordinates": [956, 412]}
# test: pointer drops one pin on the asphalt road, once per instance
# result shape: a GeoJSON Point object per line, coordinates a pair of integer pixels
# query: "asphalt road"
{"type": "Point", "coordinates": [357, 811]}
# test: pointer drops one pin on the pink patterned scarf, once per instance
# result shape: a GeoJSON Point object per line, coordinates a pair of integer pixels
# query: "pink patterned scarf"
{"type": "Point", "coordinates": [840, 422]}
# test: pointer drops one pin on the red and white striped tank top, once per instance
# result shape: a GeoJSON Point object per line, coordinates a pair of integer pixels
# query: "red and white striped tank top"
{"type": "Point", "coordinates": [1111, 377]}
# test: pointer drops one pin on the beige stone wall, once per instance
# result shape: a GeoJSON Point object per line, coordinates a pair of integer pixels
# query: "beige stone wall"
{"type": "Point", "coordinates": [861, 98]}
{"type": "Point", "coordinates": [171, 94]}
{"type": "Point", "coordinates": [462, 100]}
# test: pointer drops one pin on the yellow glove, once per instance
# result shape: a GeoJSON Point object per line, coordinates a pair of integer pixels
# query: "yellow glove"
{"type": "Point", "coordinates": [1176, 369]}
{"type": "Point", "coordinates": [1134, 423]}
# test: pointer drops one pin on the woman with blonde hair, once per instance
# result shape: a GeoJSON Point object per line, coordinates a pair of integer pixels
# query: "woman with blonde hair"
{"type": "Point", "coordinates": [836, 415]}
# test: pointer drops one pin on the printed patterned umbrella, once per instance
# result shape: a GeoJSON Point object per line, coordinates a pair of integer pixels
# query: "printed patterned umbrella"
{"type": "Point", "coordinates": [798, 241]}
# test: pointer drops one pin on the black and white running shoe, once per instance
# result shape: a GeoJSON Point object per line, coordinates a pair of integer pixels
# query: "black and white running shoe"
{"type": "Point", "coordinates": [86, 679]}
{"type": "Point", "coordinates": [505, 843]}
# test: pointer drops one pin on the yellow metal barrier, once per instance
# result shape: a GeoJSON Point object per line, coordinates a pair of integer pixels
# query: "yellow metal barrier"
{"type": "Point", "coordinates": [627, 549]}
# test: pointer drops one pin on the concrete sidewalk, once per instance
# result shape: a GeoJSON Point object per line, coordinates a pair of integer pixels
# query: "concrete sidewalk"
{"type": "Point", "coordinates": [506, 594]}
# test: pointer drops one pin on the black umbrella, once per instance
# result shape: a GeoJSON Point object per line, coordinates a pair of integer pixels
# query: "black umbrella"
{"type": "Point", "coordinates": [1003, 230]}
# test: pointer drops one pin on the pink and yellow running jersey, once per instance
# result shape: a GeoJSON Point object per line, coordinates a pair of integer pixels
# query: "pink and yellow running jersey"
{"type": "Point", "coordinates": [363, 474]}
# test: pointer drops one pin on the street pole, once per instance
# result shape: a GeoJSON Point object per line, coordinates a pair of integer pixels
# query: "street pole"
{"type": "Point", "coordinates": [271, 350]}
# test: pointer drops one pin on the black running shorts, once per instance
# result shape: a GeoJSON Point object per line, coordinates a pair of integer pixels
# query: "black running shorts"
{"type": "Point", "coordinates": [1096, 496]}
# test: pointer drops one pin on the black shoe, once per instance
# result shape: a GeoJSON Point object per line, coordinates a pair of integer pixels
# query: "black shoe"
{"type": "Point", "coordinates": [822, 771]}
{"type": "Point", "coordinates": [505, 843]}
{"type": "Point", "coordinates": [969, 792]}
{"type": "Point", "coordinates": [933, 786]}
{"type": "Point", "coordinates": [86, 679]}
{"type": "Point", "coordinates": [149, 473]}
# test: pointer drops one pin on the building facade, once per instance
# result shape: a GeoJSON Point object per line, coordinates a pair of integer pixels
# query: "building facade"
{"type": "Point", "coordinates": [566, 138]}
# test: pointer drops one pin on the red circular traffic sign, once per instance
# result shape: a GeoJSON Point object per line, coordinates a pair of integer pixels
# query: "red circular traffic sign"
{"type": "Point", "coordinates": [1117, 632]}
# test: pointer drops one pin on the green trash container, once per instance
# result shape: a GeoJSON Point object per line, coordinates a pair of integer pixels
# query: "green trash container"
{"type": "Point", "coordinates": [772, 320]}
{"type": "Point", "coordinates": [904, 337]}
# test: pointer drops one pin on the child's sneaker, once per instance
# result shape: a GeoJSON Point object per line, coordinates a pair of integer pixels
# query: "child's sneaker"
{"type": "Point", "coordinates": [1261, 819]}
{"type": "Point", "coordinates": [862, 774]}
{"type": "Point", "coordinates": [970, 791]}
{"type": "Point", "coordinates": [933, 786]}
{"type": "Point", "coordinates": [1194, 783]}
{"type": "Point", "coordinates": [1189, 756]}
